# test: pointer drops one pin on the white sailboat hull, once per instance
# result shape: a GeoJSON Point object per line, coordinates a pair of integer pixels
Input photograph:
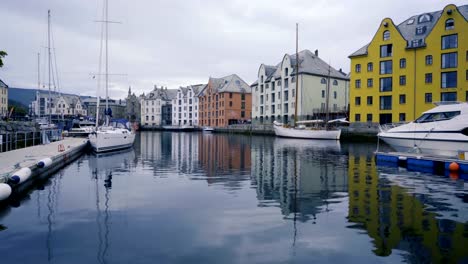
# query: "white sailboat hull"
{"type": "Point", "coordinates": [110, 140]}
{"type": "Point", "coordinates": [307, 133]}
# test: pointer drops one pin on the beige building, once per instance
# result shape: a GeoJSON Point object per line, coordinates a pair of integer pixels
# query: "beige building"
{"type": "Point", "coordinates": [3, 99]}
{"type": "Point", "coordinates": [274, 92]}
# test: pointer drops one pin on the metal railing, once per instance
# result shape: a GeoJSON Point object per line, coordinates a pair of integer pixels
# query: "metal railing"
{"type": "Point", "coordinates": [22, 139]}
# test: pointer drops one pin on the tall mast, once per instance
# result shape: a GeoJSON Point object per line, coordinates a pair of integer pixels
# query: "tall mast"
{"type": "Point", "coordinates": [327, 112]}
{"type": "Point", "coordinates": [49, 104]}
{"type": "Point", "coordinates": [39, 78]}
{"type": "Point", "coordinates": [107, 61]}
{"type": "Point", "coordinates": [297, 73]}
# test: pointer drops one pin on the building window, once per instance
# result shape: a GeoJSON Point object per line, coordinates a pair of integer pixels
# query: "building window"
{"type": "Point", "coordinates": [286, 95]}
{"type": "Point", "coordinates": [370, 82]}
{"type": "Point", "coordinates": [323, 81]}
{"type": "Point", "coordinates": [358, 68]}
{"type": "Point", "coordinates": [421, 30]}
{"type": "Point", "coordinates": [450, 41]}
{"type": "Point", "coordinates": [323, 93]}
{"type": "Point", "coordinates": [334, 94]}
{"type": "Point", "coordinates": [357, 100]}
{"type": "Point", "coordinates": [449, 24]}
{"type": "Point", "coordinates": [402, 98]}
{"type": "Point", "coordinates": [357, 117]}
{"type": "Point", "coordinates": [230, 103]}
{"type": "Point", "coordinates": [369, 100]}
{"type": "Point", "coordinates": [286, 84]}
{"type": "Point", "coordinates": [428, 98]}
{"type": "Point", "coordinates": [369, 117]}
{"type": "Point", "coordinates": [242, 97]}
{"type": "Point", "coordinates": [402, 117]}
{"type": "Point", "coordinates": [279, 83]}
{"type": "Point", "coordinates": [449, 60]}
{"type": "Point", "coordinates": [230, 94]}
{"type": "Point", "coordinates": [386, 102]}
{"type": "Point", "coordinates": [402, 63]}
{"type": "Point", "coordinates": [467, 75]}
{"type": "Point", "coordinates": [428, 78]}
{"type": "Point", "coordinates": [242, 114]}
{"type": "Point", "coordinates": [448, 97]}
{"type": "Point", "coordinates": [370, 66]}
{"type": "Point", "coordinates": [429, 60]}
{"type": "Point", "coordinates": [449, 79]}
{"type": "Point", "coordinates": [386, 51]}
{"type": "Point", "coordinates": [386, 35]}
{"type": "Point", "coordinates": [358, 83]}
{"type": "Point", "coordinates": [403, 80]}
{"type": "Point", "coordinates": [424, 18]}
{"type": "Point", "coordinates": [243, 105]}
{"type": "Point", "coordinates": [272, 97]}
{"type": "Point", "coordinates": [273, 86]}
{"type": "Point", "coordinates": [386, 67]}
{"type": "Point", "coordinates": [335, 82]}
{"type": "Point", "coordinates": [386, 84]}
{"type": "Point", "coordinates": [286, 71]}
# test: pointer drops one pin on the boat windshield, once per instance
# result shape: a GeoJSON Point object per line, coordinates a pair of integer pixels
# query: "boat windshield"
{"type": "Point", "coordinates": [439, 116]}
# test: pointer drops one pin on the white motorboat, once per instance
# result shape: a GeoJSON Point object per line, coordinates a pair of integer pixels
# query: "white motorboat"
{"type": "Point", "coordinates": [208, 129]}
{"type": "Point", "coordinates": [81, 129]}
{"type": "Point", "coordinates": [306, 132]}
{"type": "Point", "coordinates": [109, 137]}
{"type": "Point", "coordinates": [443, 131]}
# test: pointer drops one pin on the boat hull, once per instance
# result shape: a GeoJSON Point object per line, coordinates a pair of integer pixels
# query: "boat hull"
{"type": "Point", "coordinates": [105, 141]}
{"type": "Point", "coordinates": [435, 143]}
{"type": "Point", "coordinates": [307, 133]}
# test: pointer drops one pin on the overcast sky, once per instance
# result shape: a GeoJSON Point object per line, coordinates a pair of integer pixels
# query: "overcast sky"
{"type": "Point", "coordinates": [180, 42]}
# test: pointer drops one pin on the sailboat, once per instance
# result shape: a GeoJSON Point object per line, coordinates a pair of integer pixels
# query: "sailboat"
{"type": "Point", "coordinates": [109, 137]}
{"type": "Point", "coordinates": [302, 130]}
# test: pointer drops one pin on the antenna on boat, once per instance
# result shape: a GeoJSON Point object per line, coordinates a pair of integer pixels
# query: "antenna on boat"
{"type": "Point", "coordinates": [297, 73]}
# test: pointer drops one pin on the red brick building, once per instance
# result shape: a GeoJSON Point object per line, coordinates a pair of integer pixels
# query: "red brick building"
{"type": "Point", "coordinates": [225, 101]}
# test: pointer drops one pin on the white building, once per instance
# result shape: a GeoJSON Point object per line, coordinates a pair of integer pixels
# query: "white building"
{"type": "Point", "coordinates": [274, 92]}
{"type": "Point", "coordinates": [185, 105]}
{"type": "Point", "coordinates": [152, 106]}
{"type": "Point", "coordinates": [3, 99]}
{"type": "Point", "coordinates": [61, 104]}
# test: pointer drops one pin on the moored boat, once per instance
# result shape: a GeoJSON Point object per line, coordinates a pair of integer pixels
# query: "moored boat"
{"type": "Point", "coordinates": [442, 131]}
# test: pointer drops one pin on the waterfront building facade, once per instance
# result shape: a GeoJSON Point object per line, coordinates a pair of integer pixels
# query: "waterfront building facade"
{"type": "Point", "coordinates": [152, 106]}
{"type": "Point", "coordinates": [185, 105]}
{"type": "Point", "coordinates": [225, 101]}
{"type": "Point", "coordinates": [407, 67]}
{"type": "Point", "coordinates": [274, 92]}
{"type": "Point", "coordinates": [3, 99]}
{"type": "Point", "coordinates": [132, 107]}
{"type": "Point", "coordinates": [57, 104]}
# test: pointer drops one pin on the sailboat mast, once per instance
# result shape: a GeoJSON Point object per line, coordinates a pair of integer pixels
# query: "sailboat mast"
{"type": "Point", "coordinates": [107, 61]}
{"type": "Point", "coordinates": [39, 77]}
{"type": "Point", "coordinates": [49, 104]}
{"type": "Point", "coordinates": [327, 112]}
{"type": "Point", "coordinates": [297, 73]}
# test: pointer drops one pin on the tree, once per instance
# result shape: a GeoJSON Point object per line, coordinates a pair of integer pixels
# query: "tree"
{"type": "Point", "coordinates": [2, 54]}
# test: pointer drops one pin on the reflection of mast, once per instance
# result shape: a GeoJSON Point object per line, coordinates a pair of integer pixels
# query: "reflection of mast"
{"type": "Point", "coordinates": [98, 217]}
{"type": "Point", "coordinates": [50, 216]}
{"type": "Point", "coordinates": [108, 186]}
{"type": "Point", "coordinates": [295, 200]}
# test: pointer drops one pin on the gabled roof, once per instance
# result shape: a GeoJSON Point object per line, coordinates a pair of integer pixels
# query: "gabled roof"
{"type": "Point", "coordinates": [231, 83]}
{"type": "Point", "coordinates": [3, 85]}
{"type": "Point", "coordinates": [309, 63]}
{"type": "Point", "coordinates": [161, 93]}
{"type": "Point", "coordinates": [414, 31]}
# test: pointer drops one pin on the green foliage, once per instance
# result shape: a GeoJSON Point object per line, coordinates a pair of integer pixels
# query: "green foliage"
{"type": "Point", "coordinates": [20, 109]}
{"type": "Point", "coordinates": [2, 55]}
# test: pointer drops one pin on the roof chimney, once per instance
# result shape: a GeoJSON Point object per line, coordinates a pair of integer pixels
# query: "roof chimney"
{"type": "Point", "coordinates": [316, 52]}
{"type": "Point", "coordinates": [341, 70]}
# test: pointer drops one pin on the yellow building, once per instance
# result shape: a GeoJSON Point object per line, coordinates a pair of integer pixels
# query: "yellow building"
{"type": "Point", "coordinates": [3, 99]}
{"type": "Point", "coordinates": [406, 68]}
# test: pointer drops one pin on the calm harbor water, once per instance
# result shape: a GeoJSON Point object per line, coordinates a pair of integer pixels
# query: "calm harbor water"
{"type": "Point", "coordinates": [210, 198]}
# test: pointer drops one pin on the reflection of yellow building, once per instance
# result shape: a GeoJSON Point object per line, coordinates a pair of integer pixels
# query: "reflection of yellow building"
{"type": "Point", "coordinates": [396, 219]}
{"type": "Point", "coordinates": [407, 67]}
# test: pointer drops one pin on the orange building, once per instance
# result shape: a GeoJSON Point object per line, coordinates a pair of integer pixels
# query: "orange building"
{"type": "Point", "coordinates": [225, 101]}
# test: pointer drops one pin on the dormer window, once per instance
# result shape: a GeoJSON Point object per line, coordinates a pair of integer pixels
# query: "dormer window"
{"type": "Point", "coordinates": [449, 24]}
{"type": "Point", "coordinates": [420, 30]}
{"type": "Point", "coordinates": [410, 22]}
{"type": "Point", "coordinates": [386, 35]}
{"type": "Point", "coordinates": [424, 18]}
{"type": "Point", "coordinates": [323, 81]}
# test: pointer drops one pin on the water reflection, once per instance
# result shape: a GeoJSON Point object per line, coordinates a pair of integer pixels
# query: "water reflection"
{"type": "Point", "coordinates": [300, 176]}
{"type": "Point", "coordinates": [400, 210]}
